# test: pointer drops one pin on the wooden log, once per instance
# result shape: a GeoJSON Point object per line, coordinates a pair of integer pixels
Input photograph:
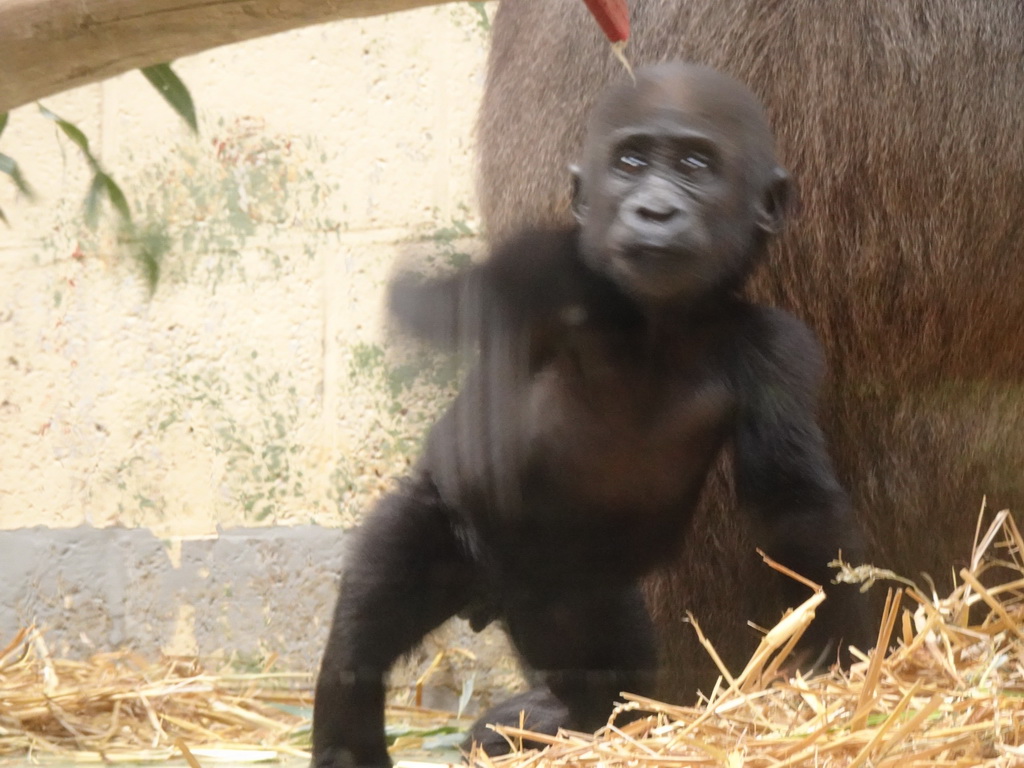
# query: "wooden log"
{"type": "Point", "coordinates": [48, 46]}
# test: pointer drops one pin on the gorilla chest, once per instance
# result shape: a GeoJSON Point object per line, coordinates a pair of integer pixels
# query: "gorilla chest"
{"type": "Point", "coordinates": [627, 431]}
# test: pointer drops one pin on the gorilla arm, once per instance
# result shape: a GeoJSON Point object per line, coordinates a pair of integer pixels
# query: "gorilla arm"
{"type": "Point", "coordinates": [785, 479]}
{"type": "Point", "coordinates": [521, 288]}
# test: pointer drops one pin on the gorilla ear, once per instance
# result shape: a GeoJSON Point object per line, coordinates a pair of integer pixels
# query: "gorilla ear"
{"type": "Point", "coordinates": [579, 205]}
{"type": "Point", "coordinates": [776, 201]}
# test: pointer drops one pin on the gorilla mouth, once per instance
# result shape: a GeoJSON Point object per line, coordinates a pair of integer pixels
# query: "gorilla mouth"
{"type": "Point", "coordinates": [653, 254]}
{"type": "Point", "coordinates": [652, 243]}
{"type": "Point", "coordinates": [649, 251]}
{"type": "Point", "coordinates": [658, 269]}
{"type": "Point", "coordinates": [650, 271]}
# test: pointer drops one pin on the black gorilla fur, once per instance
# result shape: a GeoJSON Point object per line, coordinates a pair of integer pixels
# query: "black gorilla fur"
{"type": "Point", "coordinates": [616, 360]}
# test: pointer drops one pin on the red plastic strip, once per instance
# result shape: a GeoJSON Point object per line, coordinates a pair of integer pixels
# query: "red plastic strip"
{"type": "Point", "coordinates": [613, 16]}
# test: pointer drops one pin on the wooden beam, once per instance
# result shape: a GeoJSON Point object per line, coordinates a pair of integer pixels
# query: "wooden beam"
{"type": "Point", "coordinates": [47, 46]}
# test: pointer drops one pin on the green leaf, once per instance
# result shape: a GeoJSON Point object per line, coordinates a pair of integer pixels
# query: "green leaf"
{"type": "Point", "coordinates": [162, 77]}
{"type": "Point", "coordinates": [9, 166]}
{"type": "Point", "coordinates": [102, 185]}
{"type": "Point", "coordinates": [73, 132]}
{"type": "Point", "coordinates": [484, 22]}
{"type": "Point", "coordinates": [117, 198]}
{"type": "Point", "coordinates": [148, 248]}
{"type": "Point", "coordinates": [93, 198]}
{"type": "Point", "coordinates": [3, 120]}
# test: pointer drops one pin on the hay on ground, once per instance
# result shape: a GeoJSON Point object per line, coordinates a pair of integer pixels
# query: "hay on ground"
{"type": "Point", "coordinates": [119, 707]}
{"type": "Point", "coordinates": [950, 694]}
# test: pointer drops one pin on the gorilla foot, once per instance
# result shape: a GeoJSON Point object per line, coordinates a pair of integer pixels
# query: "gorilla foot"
{"type": "Point", "coordinates": [535, 710]}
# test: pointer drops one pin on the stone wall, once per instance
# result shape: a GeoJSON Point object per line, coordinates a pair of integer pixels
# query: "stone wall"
{"type": "Point", "coordinates": [147, 438]}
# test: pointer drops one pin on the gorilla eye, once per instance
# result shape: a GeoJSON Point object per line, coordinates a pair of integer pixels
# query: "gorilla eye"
{"type": "Point", "coordinates": [630, 163]}
{"type": "Point", "coordinates": [695, 161]}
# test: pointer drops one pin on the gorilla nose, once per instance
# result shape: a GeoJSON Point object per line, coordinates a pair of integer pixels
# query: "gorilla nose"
{"type": "Point", "coordinates": [657, 213]}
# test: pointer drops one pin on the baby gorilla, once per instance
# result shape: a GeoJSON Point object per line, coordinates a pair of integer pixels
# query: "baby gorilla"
{"type": "Point", "coordinates": [614, 362]}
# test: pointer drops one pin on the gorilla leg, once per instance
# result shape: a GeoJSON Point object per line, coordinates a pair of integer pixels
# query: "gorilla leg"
{"type": "Point", "coordinates": [587, 644]}
{"type": "Point", "coordinates": [407, 574]}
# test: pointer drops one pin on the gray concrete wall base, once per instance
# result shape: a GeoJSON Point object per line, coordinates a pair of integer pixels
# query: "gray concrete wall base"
{"type": "Point", "coordinates": [246, 591]}
{"type": "Point", "coordinates": [242, 595]}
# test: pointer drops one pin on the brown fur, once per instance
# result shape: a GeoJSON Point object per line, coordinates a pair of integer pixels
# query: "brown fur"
{"type": "Point", "coordinates": [902, 122]}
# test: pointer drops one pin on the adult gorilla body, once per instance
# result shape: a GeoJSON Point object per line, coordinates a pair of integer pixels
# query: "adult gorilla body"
{"type": "Point", "coordinates": [901, 122]}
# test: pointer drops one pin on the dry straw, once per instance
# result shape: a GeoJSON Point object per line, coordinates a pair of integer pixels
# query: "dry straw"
{"type": "Point", "coordinates": [117, 707]}
{"type": "Point", "coordinates": [951, 693]}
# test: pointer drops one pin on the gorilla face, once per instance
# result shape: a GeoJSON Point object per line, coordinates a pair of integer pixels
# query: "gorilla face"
{"type": "Point", "coordinates": [679, 185]}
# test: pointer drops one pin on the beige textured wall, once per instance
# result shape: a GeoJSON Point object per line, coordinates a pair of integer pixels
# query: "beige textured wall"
{"type": "Point", "coordinates": [256, 386]}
